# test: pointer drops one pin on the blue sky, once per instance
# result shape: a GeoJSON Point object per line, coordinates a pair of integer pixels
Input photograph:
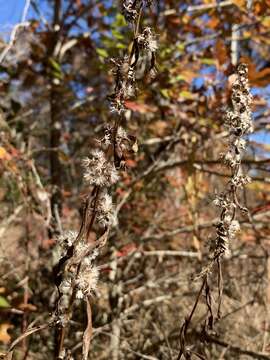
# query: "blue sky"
{"type": "Point", "coordinates": [10, 14]}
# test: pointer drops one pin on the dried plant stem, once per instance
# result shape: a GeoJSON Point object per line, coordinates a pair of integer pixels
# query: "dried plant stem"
{"type": "Point", "coordinates": [75, 273]}
{"type": "Point", "coordinates": [88, 331]}
{"type": "Point", "coordinates": [26, 334]}
{"type": "Point", "coordinates": [184, 328]}
{"type": "Point", "coordinates": [220, 288]}
{"type": "Point", "coordinates": [239, 123]}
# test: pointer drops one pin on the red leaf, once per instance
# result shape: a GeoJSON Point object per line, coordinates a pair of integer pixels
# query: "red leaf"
{"type": "Point", "coordinates": [141, 108]}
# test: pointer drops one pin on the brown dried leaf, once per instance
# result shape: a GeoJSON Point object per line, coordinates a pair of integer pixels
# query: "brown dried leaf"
{"type": "Point", "coordinates": [88, 331]}
{"type": "Point", "coordinates": [221, 52]}
{"type": "Point", "coordinates": [27, 307]}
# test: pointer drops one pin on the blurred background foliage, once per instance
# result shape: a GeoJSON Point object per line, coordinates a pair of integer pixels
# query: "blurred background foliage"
{"type": "Point", "coordinates": [54, 83]}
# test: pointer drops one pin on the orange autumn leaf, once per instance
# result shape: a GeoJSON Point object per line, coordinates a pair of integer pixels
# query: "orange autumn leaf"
{"type": "Point", "coordinates": [213, 22]}
{"type": "Point", "coordinates": [4, 335]}
{"type": "Point", "coordinates": [3, 153]}
{"type": "Point", "coordinates": [240, 3]}
{"type": "Point", "coordinates": [130, 163]}
{"type": "Point", "coordinates": [260, 7]}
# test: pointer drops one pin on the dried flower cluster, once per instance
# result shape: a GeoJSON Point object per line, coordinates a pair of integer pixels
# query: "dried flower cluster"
{"type": "Point", "coordinates": [76, 273]}
{"type": "Point", "coordinates": [71, 280]}
{"type": "Point", "coordinates": [124, 70]}
{"type": "Point", "coordinates": [238, 120]}
{"type": "Point", "coordinates": [147, 40]}
{"type": "Point", "coordinates": [98, 171]}
{"type": "Point", "coordinates": [131, 8]}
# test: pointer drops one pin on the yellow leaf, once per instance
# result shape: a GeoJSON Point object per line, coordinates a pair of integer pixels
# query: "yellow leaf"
{"type": "Point", "coordinates": [4, 335]}
{"type": "Point", "coordinates": [266, 21]}
{"type": "Point", "coordinates": [63, 156]}
{"type": "Point", "coordinates": [3, 153]}
{"type": "Point", "coordinates": [186, 94]}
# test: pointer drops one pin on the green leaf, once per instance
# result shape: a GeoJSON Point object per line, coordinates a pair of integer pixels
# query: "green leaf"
{"type": "Point", "coordinates": [117, 35]}
{"type": "Point", "coordinates": [102, 52]}
{"type": "Point", "coordinates": [177, 78]}
{"type": "Point", "coordinates": [165, 93]}
{"type": "Point", "coordinates": [120, 46]}
{"type": "Point", "coordinates": [166, 51]}
{"type": "Point", "coordinates": [208, 61]}
{"type": "Point", "coordinates": [4, 303]}
{"type": "Point", "coordinates": [55, 65]}
{"type": "Point", "coordinates": [119, 21]}
{"type": "Point", "coordinates": [57, 75]}
{"type": "Point", "coordinates": [186, 94]}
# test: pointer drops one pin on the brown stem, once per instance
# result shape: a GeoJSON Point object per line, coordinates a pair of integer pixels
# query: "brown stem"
{"type": "Point", "coordinates": [220, 288]}
{"type": "Point", "coordinates": [187, 322]}
{"type": "Point", "coordinates": [93, 213]}
{"type": "Point", "coordinates": [55, 124]}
